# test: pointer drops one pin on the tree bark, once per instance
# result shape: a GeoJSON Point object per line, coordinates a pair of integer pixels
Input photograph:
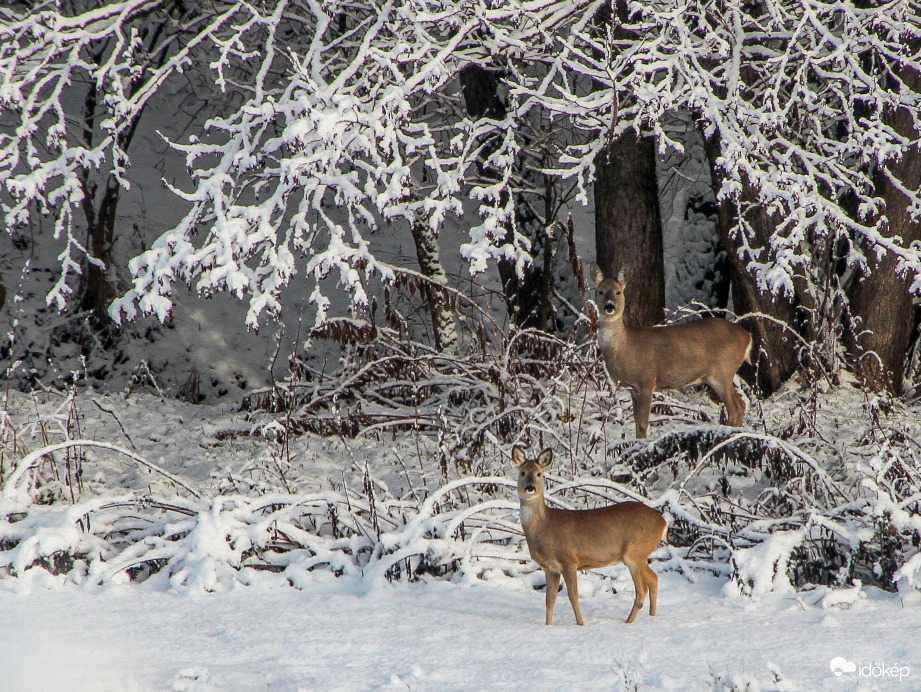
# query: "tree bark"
{"type": "Point", "coordinates": [98, 288]}
{"type": "Point", "coordinates": [628, 227]}
{"type": "Point", "coordinates": [887, 317]}
{"type": "Point", "coordinates": [774, 347]}
{"type": "Point", "coordinates": [526, 297]}
{"type": "Point", "coordinates": [628, 219]}
{"type": "Point", "coordinates": [440, 307]}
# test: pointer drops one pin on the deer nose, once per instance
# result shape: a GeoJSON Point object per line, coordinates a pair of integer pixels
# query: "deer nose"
{"type": "Point", "coordinates": [529, 489]}
{"type": "Point", "coordinates": [609, 308]}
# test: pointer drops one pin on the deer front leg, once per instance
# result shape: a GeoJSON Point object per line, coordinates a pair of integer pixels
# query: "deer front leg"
{"type": "Point", "coordinates": [570, 575]}
{"type": "Point", "coordinates": [642, 402]}
{"type": "Point", "coordinates": [553, 586]}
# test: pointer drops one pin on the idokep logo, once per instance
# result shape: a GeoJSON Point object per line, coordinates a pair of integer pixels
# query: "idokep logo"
{"type": "Point", "coordinates": [842, 667]}
{"type": "Point", "coordinates": [839, 666]}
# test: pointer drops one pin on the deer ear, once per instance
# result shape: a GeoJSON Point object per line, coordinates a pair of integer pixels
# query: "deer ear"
{"type": "Point", "coordinates": [595, 273]}
{"type": "Point", "coordinates": [518, 456]}
{"type": "Point", "coordinates": [622, 276]}
{"type": "Point", "coordinates": [545, 458]}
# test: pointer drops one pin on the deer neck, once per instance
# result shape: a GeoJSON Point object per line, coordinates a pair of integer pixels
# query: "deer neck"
{"type": "Point", "coordinates": [533, 511]}
{"type": "Point", "coordinates": [612, 334]}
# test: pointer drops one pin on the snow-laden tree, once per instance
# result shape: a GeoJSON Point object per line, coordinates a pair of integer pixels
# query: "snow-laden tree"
{"type": "Point", "coordinates": [349, 119]}
{"type": "Point", "coordinates": [338, 129]}
{"type": "Point", "coordinates": [75, 80]}
{"type": "Point", "coordinates": [329, 141]}
{"type": "Point", "coordinates": [797, 102]}
{"type": "Point", "coordinates": [356, 126]}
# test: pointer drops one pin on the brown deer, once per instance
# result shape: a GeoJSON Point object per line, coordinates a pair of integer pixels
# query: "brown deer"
{"type": "Point", "coordinates": [564, 541]}
{"type": "Point", "coordinates": [644, 359]}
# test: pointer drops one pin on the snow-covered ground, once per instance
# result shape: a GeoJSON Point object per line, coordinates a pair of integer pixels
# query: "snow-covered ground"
{"type": "Point", "coordinates": [211, 563]}
{"type": "Point", "coordinates": [253, 630]}
{"type": "Point", "coordinates": [347, 635]}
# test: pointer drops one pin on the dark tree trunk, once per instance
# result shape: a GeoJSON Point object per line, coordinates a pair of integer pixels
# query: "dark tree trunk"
{"type": "Point", "coordinates": [526, 297]}
{"type": "Point", "coordinates": [480, 88]}
{"type": "Point", "coordinates": [880, 299]}
{"type": "Point", "coordinates": [628, 223]}
{"type": "Point", "coordinates": [775, 352]}
{"type": "Point", "coordinates": [628, 227]}
{"type": "Point", "coordinates": [98, 287]}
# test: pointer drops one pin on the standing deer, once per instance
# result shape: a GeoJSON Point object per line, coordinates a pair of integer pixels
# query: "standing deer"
{"type": "Point", "coordinates": [710, 350]}
{"type": "Point", "coordinates": [564, 541]}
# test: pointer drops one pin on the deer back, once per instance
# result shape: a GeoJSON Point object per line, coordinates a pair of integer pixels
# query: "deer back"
{"type": "Point", "coordinates": [679, 355]}
{"type": "Point", "coordinates": [665, 357]}
{"type": "Point", "coordinates": [593, 538]}
{"type": "Point", "coordinates": [585, 539]}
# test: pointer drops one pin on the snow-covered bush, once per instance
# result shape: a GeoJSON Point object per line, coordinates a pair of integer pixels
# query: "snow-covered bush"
{"type": "Point", "coordinates": [771, 510]}
{"type": "Point", "coordinates": [211, 544]}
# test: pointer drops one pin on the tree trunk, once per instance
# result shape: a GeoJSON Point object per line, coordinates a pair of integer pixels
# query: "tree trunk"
{"type": "Point", "coordinates": [628, 227]}
{"type": "Point", "coordinates": [98, 287]}
{"type": "Point", "coordinates": [526, 297]}
{"type": "Point", "coordinates": [774, 347]}
{"type": "Point", "coordinates": [440, 307]}
{"type": "Point", "coordinates": [888, 319]}
{"type": "Point", "coordinates": [628, 218]}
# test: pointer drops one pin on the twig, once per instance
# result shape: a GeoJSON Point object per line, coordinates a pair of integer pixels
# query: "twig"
{"type": "Point", "coordinates": [120, 426]}
{"type": "Point", "coordinates": [10, 488]}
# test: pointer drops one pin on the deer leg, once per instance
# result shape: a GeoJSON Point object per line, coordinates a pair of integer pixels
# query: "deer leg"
{"type": "Point", "coordinates": [570, 575]}
{"type": "Point", "coordinates": [735, 405]}
{"type": "Point", "coordinates": [740, 406]}
{"type": "Point", "coordinates": [553, 586]}
{"type": "Point", "coordinates": [639, 584]}
{"type": "Point", "coordinates": [642, 402]}
{"type": "Point", "coordinates": [652, 581]}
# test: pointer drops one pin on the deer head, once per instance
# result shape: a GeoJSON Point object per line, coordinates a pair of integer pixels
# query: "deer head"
{"type": "Point", "coordinates": [611, 293]}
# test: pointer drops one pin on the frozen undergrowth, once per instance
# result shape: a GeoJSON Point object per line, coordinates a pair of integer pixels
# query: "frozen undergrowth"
{"type": "Point", "coordinates": [823, 488]}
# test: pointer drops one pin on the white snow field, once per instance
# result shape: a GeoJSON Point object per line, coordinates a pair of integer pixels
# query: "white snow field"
{"type": "Point", "coordinates": [203, 623]}
{"type": "Point", "coordinates": [339, 634]}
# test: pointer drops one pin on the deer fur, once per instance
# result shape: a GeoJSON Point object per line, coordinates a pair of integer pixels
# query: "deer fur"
{"type": "Point", "coordinates": [645, 359]}
{"type": "Point", "coordinates": [564, 541]}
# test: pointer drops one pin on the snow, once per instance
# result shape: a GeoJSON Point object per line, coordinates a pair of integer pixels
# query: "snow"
{"type": "Point", "coordinates": [212, 618]}
{"type": "Point", "coordinates": [203, 623]}
{"type": "Point", "coordinates": [343, 634]}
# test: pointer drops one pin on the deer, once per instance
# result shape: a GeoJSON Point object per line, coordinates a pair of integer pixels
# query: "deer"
{"type": "Point", "coordinates": [565, 541]}
{"type": "Point", "coordinates": [644, 359]}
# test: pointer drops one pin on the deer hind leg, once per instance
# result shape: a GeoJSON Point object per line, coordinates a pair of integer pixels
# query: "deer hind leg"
{"type": "Point", "coordinates": [732, 400]}
{"type": "Point", "coordinates": [639, 584]}
{"type": "Point", "coordinates": [652, 581]}
{"type": "Point", "coordinates": [553, 586]}
{"type": "Point", "coordinates": [735, 405]}
{"type": "Point", "coordinates": [570, 575]}
{"type": "Point", "coordinates": [739, 417]}
{"type": "Point", "coordinates": [642, 403]}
